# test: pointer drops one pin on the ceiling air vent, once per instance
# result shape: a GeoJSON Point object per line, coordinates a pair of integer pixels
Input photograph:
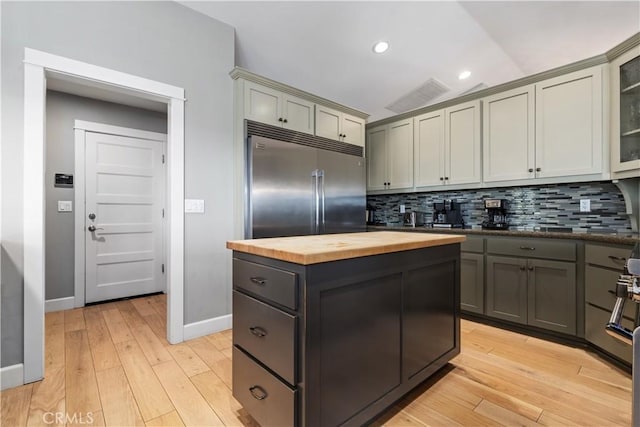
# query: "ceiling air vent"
{"type": "Point", "coordinates": [419, 97]}
{"type": "Point", "coordinates": [474, 88]}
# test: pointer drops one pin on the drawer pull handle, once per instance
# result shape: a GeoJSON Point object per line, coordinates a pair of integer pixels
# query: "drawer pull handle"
{"type": "Point", "coordinates": [617, 258]}
{"type": "Point", "coordinates": [258, 331]}
{"type": "Point", "coordinates": [611, 292]}
{"type": "Point", "coordinates": [258, 281]}
{"type": "Point", "coordinates": [527, 248]}
{"type": "Point", "coordinates": [260, 395]}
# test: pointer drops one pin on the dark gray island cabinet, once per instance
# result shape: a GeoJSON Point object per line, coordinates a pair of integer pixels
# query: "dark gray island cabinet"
{"type": "Point", "coordinates": [331, 330]}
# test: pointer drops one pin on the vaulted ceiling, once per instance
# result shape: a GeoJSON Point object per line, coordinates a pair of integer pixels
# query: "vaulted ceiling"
{"type": "Point", "coordinates": [326, 47]}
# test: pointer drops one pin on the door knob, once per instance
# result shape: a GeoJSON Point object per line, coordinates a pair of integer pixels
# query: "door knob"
{"type": "Point", "coordinates": [93, 228]}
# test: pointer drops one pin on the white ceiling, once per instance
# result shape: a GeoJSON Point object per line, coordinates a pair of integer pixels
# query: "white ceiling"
{"type": "Point", "coordinates": [326, 47]}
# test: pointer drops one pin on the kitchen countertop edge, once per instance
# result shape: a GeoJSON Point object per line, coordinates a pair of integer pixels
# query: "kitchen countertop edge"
{"type": "Point", "coordinates": [284, 248]}
{"type": "Point", "coordinates": [626, 239]}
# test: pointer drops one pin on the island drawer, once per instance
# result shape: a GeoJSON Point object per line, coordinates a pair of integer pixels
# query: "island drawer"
{"type": "Point", "coordinates": [533, 248]}
{"type": "Point", "coordinates": [607, 256]}
{"type": "Point", "coordinates": [473, 244]}
{"type": "Point", "coordinates": [271, 283]}
{"type": "Point", "coordinates": [268, 334]}
{"type": "Point", "coordinates": [269, 401]}
{"type": "Point", "coordinates": [600, 285]}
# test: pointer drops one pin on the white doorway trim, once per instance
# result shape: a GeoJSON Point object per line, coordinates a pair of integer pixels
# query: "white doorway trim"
{"type": "Point", "coordinates": [81, 127]}
{"type": "Point", "coordinates": [37, 67]}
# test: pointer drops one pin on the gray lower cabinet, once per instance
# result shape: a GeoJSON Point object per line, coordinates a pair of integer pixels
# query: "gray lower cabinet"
{"type": "Point", "coordinates": [337, 343]}
{"type": "Point", "coordinates": [529, 289]}
{"type": "Point", "coordinates": [472, 275]}
{"type": "Point", "coordinates": [603, 265]}
{"type": "Point", "coordinates": [472, 282]}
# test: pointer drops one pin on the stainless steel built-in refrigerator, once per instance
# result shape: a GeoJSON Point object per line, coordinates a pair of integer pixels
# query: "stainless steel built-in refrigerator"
{"type": "Point", "coordinates": [296, 189]}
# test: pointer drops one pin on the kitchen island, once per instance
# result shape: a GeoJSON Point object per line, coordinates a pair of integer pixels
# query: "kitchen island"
{"type": "Point", "coordinates": [333, 329]}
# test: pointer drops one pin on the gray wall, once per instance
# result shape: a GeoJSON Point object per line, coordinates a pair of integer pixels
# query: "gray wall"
{"type": "Point", "coordinates": [162, 41]}
{"type": "Point", "coordinates": [62, 110]}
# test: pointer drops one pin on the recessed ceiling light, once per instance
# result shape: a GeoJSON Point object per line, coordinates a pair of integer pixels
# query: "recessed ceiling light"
{"type": "Point", "coordinates": [464, 75]}
{"type": "Point", "coordinates": [380, 47]}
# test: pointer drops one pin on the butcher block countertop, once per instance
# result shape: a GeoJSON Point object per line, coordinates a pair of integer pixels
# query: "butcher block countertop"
{"type": "Point", "coordinates": [315, 249]}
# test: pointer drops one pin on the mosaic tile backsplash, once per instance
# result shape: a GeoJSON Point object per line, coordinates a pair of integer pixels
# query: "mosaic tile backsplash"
{"type": "Point", "coordinates": [529, 207]}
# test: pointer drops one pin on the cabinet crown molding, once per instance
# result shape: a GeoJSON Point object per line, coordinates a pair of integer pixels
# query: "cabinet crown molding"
{"type": "Point", "coordinates": [241, 73]}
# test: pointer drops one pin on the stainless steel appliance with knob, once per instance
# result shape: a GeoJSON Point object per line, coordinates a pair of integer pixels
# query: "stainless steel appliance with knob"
{"type": "Point", "coordinates": [299, 184]}
{"type": "Point", "coordinates": [496, 210]}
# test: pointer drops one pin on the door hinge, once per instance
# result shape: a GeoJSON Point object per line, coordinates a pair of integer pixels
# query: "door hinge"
{"type": "Point", "coordinates": [162, 213]}
{"type": "Point", "coordinates": [163, 268]}
{"type": "Point", "coordinates": [163, 158]}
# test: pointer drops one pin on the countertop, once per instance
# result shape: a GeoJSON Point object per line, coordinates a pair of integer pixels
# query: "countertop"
{"type": "Point", "coordinates": [614, 238]}
{"type": "Point", "coordinates": [315, 249]}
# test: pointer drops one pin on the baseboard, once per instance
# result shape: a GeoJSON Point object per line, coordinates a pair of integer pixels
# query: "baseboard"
{"type": "Point", "coordinates": [11, 376]}
{"type": "Point", "coordinates": [59, 304]}
{"type": "Point", "coordinates": [206, 327]}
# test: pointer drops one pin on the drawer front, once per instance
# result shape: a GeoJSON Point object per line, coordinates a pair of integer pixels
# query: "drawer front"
{"type": "Point", "coordinates": [598, 284]}
{"type": "Point", "coordinates": [267, 333]}
{"type": "Point", "coordinates": [473, 244]}
{"type": "Point", "coordinates": [276, 285]}
{"type": "Point", "coordinates": [533, 248]}
{"type": "Point", "coordinates": [269, 401]}
{"type": "Point", "coordinates": [607, 256]}
{"type": "Point", "coordinates": [595, 321]}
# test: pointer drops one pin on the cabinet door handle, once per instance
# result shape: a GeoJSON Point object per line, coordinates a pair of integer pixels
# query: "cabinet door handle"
{"type": "Point", "coordinates": [530, 169]}
{"type": "Point", "coordinates": [527, 248]}
{"type": "Point", "coordinates": [279, 119]}
{"type": "Point", "coordinates": [538, 169]}
{"type": "Point", "coordinates": [258, 392]}
{"type": "Point", "coordinates": [617, 258]}
{"type": "Point", "coordinates": [530, 268]}
{"type": "Point", "coordinates": [446, 178]}
{"type": "Point", "coordinates": [258, 280]}
{"type": "Point", "coordinates": [522, 268]}
{"type": "Point", "coordinates": [441, 178]}
{"type": "Point", "coordinates": [258, 331]}
{"type": "Point", "coordinates": [285, 120]}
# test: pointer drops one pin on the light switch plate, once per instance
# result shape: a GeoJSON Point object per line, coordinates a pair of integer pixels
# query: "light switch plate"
{"type": "Point", "coordinates": [402, 209]}
{"type": "Point", "coordinates": [193, 206]}
{"type": "Point", "coordinates": [65, 206]}
{"type": "Point", "coordinates": [585, 205]}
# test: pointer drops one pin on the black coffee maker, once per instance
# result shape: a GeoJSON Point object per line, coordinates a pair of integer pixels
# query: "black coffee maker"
{"type": "Point", "coordinates": [447, 214]}
{"type": "Point", "coordinates": [496, 210]}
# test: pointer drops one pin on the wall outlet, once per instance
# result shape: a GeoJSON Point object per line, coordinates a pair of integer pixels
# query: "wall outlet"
{"type": "Point", "coordinates": [585, 205]}
{"type": "Point", "coordinates": [402, 209]}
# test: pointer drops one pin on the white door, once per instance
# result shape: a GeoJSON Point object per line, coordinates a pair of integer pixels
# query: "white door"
{"type": "Point", "coordinates": [124, 190]}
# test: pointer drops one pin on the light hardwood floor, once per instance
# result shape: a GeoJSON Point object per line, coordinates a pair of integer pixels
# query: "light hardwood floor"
{"type": "Point", "coordinates": [111, 365]}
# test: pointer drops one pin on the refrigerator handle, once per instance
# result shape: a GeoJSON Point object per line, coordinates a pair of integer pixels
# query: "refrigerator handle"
{"type": "Point", "coordinates": [322, 222]}
{"type": "Point", "coordinates": [316, 199]}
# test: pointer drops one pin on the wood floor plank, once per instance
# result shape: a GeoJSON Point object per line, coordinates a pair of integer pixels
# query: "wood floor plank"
{"type": "Point", "coordinates": [397, 417]}
{"type": "Point", "coordinates": [48, 397]}
{"type": "Point", "coordinates": [74, 320]}
{"type": "Point", "coordinates": [151, 346]}
{"type": "Point", "coordinates": [611, 377]}
{"type": "Point", "coordinates": [171, 419]}
{"type": "Point", "coordinates": [502, 415]}
{"type": "Point", "coordinates": [119, 407]}
{"type": "Point", "coordinates": [102, 348]}
{"type": "Point", "coordinates": [219, 397]}
{"type": "Point", "coordinates": [80, 381]}
{"type": "Point", "coordinates": [428, 415]}
{"type": "Point", "coordinates": [54, 318]}
{"type": "Point", "coordinates": [187, 359]}
{"type": "Point", "coordinates": [217, 362]}
{"type": "Point", "coordinates": [192, 407]}
{"type": "Point", "coordinates": [550, 419]}
{"type": "Point", "coordinates": [144, 306]}
{"type": "Point", "coordinates": [158, 326]}
{"type": "Point", "coordinates": [131, 316]}
{"type": "Point", "coordinates": [151, 397]}
{"type": "Point", "coordinates": [15, 405]}
{"type": "Point", "coordinates": [118, 328]}
{"type": "Point", "coordinates": [220, 341]}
